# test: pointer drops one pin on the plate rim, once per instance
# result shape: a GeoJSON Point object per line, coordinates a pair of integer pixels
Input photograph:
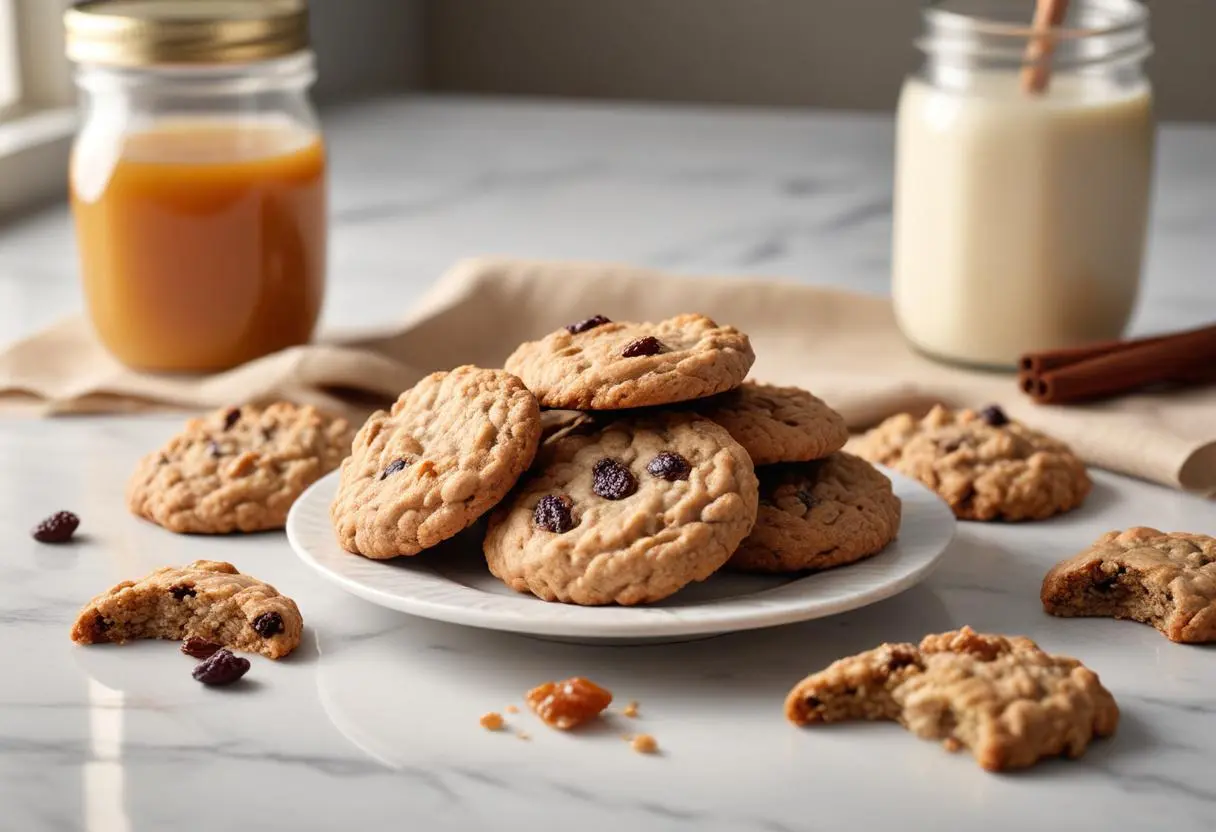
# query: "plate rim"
{"type": "Point", "coordinates": [652, 622]}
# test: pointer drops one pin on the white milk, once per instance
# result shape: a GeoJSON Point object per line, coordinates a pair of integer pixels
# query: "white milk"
{"type": "Point", "coordinates": [1019, 220]}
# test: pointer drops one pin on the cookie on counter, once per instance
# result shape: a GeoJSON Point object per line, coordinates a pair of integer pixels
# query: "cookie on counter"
{"type": "Point", "coordinates": [777, 424]}
{"type": "Point", "coordinates": [820, 514]}
{"type": "Point", "coordinates": [1002, 697]}
{"type": "Point", "coordinates": [984, 465]}
{"type": "Point", "coordinates": [598, 364]}
{"type": "Point", "coordinates": [207, 599]}
{"type": "Point", "coordinates": [1165, 579]}
{"type": "Point", "coordinates": [627, 513]}
{"type": "Point", "coordinates": [238, 469]}
{"type": "Point", "coordinates": [451, 447]}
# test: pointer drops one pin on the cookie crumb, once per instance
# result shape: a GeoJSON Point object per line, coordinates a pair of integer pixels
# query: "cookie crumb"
{"type": "Point", "coordinates": [511, 709]}
{"type": "Point", "coordinates": [644, 744]}
{"type": "Point", "coordinates": [569, 703]}
{"type": "Point", "coordinates": [523, 735]}
{"type": "Point", "coordinates": [630, 710]}
{"type": "Point", "coordinates": [492, 721]}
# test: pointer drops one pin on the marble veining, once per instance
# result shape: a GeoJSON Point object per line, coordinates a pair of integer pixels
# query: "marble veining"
{"type": "Point", "coordinates": [373, 723]}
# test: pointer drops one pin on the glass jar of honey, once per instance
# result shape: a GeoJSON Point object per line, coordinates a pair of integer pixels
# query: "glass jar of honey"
{"type": "Point", "coordinates": [197, 179]}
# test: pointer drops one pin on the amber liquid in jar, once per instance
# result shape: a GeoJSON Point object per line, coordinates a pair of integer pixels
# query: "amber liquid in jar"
{"type": "Point", "coordinates": [202, 245]}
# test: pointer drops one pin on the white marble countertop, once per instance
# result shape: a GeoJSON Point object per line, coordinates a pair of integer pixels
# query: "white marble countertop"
{"type": "Point", "coordinates": [374, 721]}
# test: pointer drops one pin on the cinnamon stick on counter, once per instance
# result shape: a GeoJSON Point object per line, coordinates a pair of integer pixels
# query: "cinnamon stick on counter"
{"type": "Point", "coordinates": [1036, 71]}
{"type": "Point", "coordinates": [1117, 367]}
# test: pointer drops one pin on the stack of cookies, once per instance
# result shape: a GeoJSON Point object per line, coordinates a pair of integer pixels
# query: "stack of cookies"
{"type": "Point", "coordinates": [618, 462]}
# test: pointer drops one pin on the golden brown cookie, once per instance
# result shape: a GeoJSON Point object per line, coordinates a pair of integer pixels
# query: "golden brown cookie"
{"type": "Point", "coordinates": [207, 599]}
{"type": "Point", "coordinates": [626, 513]}
{"type": "Point", "coordinates": [1002, 697]}
{"type": "Point", "coordinates": [777, 424]}
{"type": "Point", "coordinates": [820, 514]}
{"type": "Point", "coordinates": [451, 447]}
{"type": "Point", "coordinates": [597, 364]}
{"type": "Point", "coordinates": [1164, 579]}
{"type": "Point", "coordinates": [238, 469]}
{"type": "Point", "coordinates": [984, 465]}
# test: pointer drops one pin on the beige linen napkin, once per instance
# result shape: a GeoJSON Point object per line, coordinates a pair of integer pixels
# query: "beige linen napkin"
{"type": "Point", "coordinates": [843, 346]}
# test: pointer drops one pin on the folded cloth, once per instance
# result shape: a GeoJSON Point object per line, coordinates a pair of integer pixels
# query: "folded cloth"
{"type": "Point", "coordinates": [842, 345]}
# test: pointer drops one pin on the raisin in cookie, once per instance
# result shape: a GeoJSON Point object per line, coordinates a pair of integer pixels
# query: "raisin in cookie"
{"type": "Point", "coordinates": [451, 447]}
{"type": "Point", "coordinates": [1164, 579]}
{"type": "Point", "coordinates": [207, 599]}
{"type": "Point", "coordinates": [238, 469]}
{"type": "Point", "coordinates": [777, 424]}
{"type": "Point", "coordinates": [984, 465]}
{"type": "Point", "coordinates": [820, 514]}
{"type": "Point", "coordinates": [628, 512]}
{"type": "Point", "coordinates": [1002, 697]}
{"type": "Point", "coordinates": [600, 365]}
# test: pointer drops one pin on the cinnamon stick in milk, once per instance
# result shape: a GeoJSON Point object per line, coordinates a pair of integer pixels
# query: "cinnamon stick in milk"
{"type": "Point", "coordinates": [1036, 73]}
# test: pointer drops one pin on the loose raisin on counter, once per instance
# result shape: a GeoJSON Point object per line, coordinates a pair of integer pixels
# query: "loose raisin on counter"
{"type": "Point", "coordinates": [644, 744]}
{"type": "Point", "coordinates": [589, 323]}
{"type": "Point", "coordinates": [392, 468]}
{"type": "Point", "coordinates": [200, 648]}
{"type": "Point", "coordinates": [648, 345]}
{"type": "Point", "coordinates": [994, 416]}
{"type": "Point", "coordinates": [222, 668]}
{"type": "Point", "coordinates": [669, 466]}
{"type": "Point", "coordinates": [553, 514]}
{"type": "Point", "coordinates": [58, 528]}
{"type": "Point", "coordinates": [268, 624]}
{"type": "Point", "coordinates": [612, 480]}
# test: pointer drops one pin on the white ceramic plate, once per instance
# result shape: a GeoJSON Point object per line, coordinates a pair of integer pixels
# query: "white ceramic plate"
{"type": "Point", "coordinates": [452, 583]}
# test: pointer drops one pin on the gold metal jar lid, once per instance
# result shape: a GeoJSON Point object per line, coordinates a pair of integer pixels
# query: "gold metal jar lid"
{"type": "Point", "coordinates": [149, 32]}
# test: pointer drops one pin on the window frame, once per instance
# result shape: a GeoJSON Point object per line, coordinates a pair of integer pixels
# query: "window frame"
{"type": "Point", "coordinates": [36, 131]}
{"type": "Point", "coordinates": [8, 43]}
{"type": "Point", "coordinates": [44, 71]}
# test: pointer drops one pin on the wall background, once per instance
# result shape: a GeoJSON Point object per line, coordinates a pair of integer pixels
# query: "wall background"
{"type": "Point", "coordinates": [826, 53]}
{"type": "Point", "coordinates": [366, 46]}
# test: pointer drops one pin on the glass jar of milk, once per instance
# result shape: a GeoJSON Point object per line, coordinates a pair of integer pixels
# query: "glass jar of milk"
{"type": "Point", "coordinates": [1021, 210]}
